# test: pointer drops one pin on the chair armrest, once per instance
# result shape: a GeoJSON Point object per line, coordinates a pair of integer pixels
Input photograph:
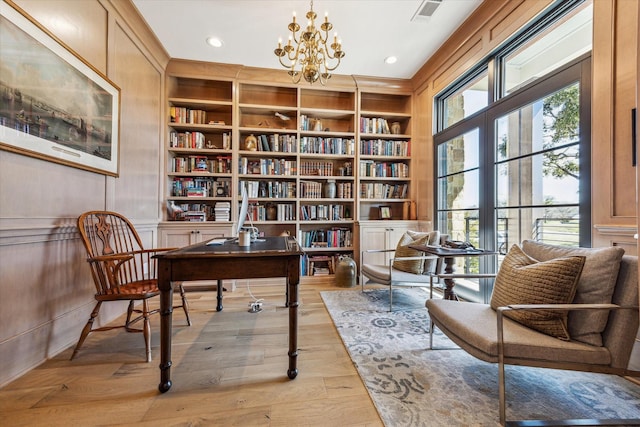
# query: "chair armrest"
{"type": "Point", "coordinates": [564, 307]}
{"type": "Point", "coordinates": [466, 276]}
{"type": "Point", "coordinates": [372, 251]}
{"type": "Point", "coordinates": [409, 258]}
{"type": "Point", "coordinates": [115, 257]}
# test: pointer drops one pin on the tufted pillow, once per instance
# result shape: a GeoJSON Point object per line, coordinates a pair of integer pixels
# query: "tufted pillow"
{"type": "Point", "coordinates": [523, 280]}
{"type": "Point", "coordinates": [417, 266]}
{"type": "Point", "coordinates": [596, 285]}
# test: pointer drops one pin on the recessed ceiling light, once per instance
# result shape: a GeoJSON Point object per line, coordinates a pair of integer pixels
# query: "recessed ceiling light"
{"type": "Point", "coordinates": [214, 41]}
{"type": "Point", "coordinates": [390, 60]}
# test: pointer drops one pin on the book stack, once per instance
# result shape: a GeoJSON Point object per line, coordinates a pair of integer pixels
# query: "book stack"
{"type": "Point", "coordinates": [221, 211]}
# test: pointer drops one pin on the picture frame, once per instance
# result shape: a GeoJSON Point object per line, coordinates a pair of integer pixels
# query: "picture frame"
{"type": "Point", "coordinates": [54, 105]}
{"type": "Point", "coordinates": [385, 212]}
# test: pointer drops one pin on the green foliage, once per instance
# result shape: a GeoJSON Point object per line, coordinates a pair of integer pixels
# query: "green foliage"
{"type": "Point", "coordinates": [561, 125]}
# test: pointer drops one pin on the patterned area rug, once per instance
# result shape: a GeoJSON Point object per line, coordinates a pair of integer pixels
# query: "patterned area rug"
{"type": "Point", "coordinates": [414, 386]}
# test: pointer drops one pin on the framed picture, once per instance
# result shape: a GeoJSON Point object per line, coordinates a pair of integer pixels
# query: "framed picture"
{"type": "Point", "coordinates": [53, 104]}
{"type": "Point", "coordinates": [385, 212]}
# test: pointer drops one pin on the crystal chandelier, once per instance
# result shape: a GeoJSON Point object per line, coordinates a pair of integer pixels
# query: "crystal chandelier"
{"type": "Point", "coordinates": [309, 55]}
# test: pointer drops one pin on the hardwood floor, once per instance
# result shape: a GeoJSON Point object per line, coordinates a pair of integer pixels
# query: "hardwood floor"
{"type": "Point", "coordinates": [229, 368]}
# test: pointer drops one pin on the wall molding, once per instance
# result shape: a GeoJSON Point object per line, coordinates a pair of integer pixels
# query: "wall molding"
{"type": "Point", "coordinates": [617, 230]}
{"type": "Point", "coordinates": [21, 231]}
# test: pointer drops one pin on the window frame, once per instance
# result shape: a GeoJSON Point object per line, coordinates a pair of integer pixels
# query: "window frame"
{"type": "Point", "coordinates": [578, 70]}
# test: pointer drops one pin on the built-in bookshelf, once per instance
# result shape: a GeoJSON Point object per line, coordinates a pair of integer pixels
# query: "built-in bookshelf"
{"type": "Point", "coordinates": [200, 149]}
{"type": "Point", "coordinates": [314, 161]}
{"type": "Point", "coordinates": [384, 155]}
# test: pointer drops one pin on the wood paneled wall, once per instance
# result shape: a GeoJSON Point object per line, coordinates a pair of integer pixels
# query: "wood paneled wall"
{"type": "Point", "coordinates": [615, 79]}
{"type": "Point", "coordinates": [46, 291]}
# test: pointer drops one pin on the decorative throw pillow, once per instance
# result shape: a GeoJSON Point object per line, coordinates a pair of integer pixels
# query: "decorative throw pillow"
{"type": "Point", "coordinates": [523, 280]}
{"type": "Point", "coordinates": [417, 266]}
{"type": "Point", "coordinates": [596, 285]}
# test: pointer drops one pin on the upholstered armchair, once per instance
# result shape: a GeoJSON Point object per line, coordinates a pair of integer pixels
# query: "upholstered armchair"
{"type": "Point", "coordinates": [552, 307]}
{"type": "Point", "coordinates": [407, 266]}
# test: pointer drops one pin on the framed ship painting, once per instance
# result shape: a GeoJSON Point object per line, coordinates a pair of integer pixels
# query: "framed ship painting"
{"type": "Point", "coordinates": [53, 104]}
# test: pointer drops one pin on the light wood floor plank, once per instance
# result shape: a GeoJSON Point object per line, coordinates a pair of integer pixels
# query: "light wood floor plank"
{"type": "Point", "coordinates": [229, 369]}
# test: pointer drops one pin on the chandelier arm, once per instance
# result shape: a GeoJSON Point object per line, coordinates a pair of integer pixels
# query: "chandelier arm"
{"type": "Point", "coordinates": [296, 54]}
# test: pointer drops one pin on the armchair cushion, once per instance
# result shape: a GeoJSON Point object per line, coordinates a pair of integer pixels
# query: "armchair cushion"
{"type": "Point", "coordinates": [524, 280]}
{"type": "Point", "coordinates": [417, 266]}
{"type": "Point", "coordinates": [596, 285]}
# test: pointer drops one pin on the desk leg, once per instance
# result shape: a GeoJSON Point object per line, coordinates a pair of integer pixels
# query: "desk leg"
{"type": "Point", "coordinates": [166, 314]}
{"type": "Point", "coordinates": [450, 268]}
{"type": "Point", "coordinates": [219, 296]}
{"type": "Point", "coordinates": [293, 279]}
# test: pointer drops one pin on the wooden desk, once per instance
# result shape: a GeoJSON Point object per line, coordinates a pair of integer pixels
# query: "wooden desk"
{"type": "Point", "coordinates": [448, 255]}
{"type": "Point", "coordinates": [273, 257]}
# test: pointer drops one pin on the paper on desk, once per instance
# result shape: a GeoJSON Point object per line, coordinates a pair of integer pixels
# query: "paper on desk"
{"type": "Point", "coordinates": [217, 241]}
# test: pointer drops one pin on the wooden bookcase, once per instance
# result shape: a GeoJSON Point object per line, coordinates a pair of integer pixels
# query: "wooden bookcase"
{"type": "Point", "coordinates": [301, 153]}
{"type": "Point", "coordinates": [384, 161]}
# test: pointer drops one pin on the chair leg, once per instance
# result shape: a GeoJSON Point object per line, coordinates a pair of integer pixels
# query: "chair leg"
{"type": "Point", "coordinates": [431, 326]}
{"type": "Point", "coordinates": [146, 330]}
{"type": "Point", "coordinates": [390, 297]}
{"type": "Point", "coordinates": [87, 328]}
{"type": "Point", "coordinates": [185, 305]}
{"type": "Point", "coordinates": [501, 394]}
{"type": "Point", "coordinates": [128, 321]}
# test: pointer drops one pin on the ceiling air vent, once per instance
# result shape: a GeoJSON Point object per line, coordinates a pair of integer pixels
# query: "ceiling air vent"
{"type": "Point", "coordinates": [427, 9]}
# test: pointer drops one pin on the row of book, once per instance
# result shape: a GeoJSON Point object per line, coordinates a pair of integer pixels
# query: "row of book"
{"type": "Point", "coordinates": [197, 140]}
{"type": "Point", "coordinates": [336, 237]}
{"type": "Point", "coordinates": [187, 115]}
{"type": "Point", "coordinates": [200, 187]}
{"type": "Point", "coordinates": [384, 147]}
{"type": "Point", "coordinates": [320, 168]}
{"type": "Point", "coordinates": [284, 212]}
{"type": "Point", "coordinates": [267, 166]}
{"type": "Point", "coordinates": [193, 212]}
{"type": "Point", "coordinates": [317, 145]}
{"type": "Point", "coordinates": [324, 212]}
{"type": "Point", "coordinates": [314, 190]}
{"type": "Point", "coordinates": [383, 191]}
{"type": "Point", "coordinates": [270, 189]}
{"type": "Point", "coordinates": [374, 125]}
{"type": "Point", "coordinates": [220, 164]}
{"type": "Point", "coordinates": [320, 264]}
{"type": "Point", "coordinates": [277, 142]}
{"type": "Point", "coordinates": [372, 168]}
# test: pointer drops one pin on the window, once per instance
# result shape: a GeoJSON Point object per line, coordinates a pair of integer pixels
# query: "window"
{"type": "Point", "coordinates": [566, 39]}
{"type": "Point", "coordinates": [467, 98]}
{"type": "Point", "coordinates": [517, 167]}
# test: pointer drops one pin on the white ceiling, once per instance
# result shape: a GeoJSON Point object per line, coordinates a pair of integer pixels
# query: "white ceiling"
{"type": "Point", "coordinates": [370, 30]}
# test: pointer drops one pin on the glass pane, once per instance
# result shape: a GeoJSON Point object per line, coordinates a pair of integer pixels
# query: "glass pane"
{"type": "Point", "coordinates": [459, 154]}
{"type": "Point", "coordinates": [562, 42]}
{"type": "Point", "coordinates": [469, 99]}
{"type": "Point", "coordinates": [539, 180]}
{"type": "Point", "coordinates": [460, 225]}
{"type": "Point", "coordinates": [553, 225]}
{"type": "Point", "coordinates": [459, 191]}
{"type": "Point", "coordinates": [547, 123]}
